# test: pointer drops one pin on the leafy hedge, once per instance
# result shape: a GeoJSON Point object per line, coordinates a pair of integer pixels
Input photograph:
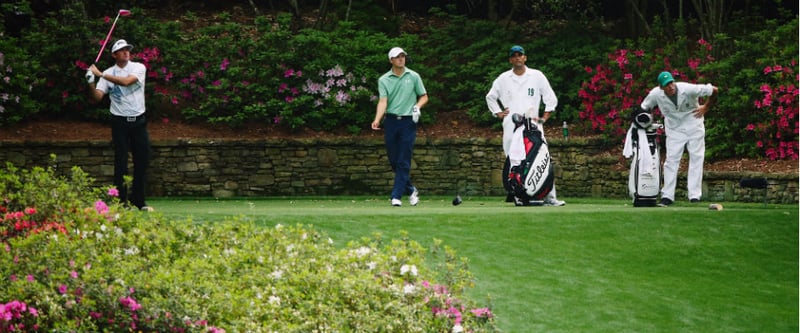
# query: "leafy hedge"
{"type": "Point", "coordinates": [73, 260]}
{"type": "Point", "coordinates": [237, 71]}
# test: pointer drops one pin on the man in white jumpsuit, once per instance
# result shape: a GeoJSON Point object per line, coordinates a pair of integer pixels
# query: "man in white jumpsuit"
{"type": "Point", "coordinates": [519, 90]}
{"type": "Point", "coordinates": [684, 127]}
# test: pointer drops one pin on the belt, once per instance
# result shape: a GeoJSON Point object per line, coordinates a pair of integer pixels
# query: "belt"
{"type": "Point", "coordinates": [131, 119]}
{"type": "Point", "coordinates": [398, 117]}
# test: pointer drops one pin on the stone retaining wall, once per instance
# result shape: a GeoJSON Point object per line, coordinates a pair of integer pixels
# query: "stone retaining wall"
{"type": "Point", "coordinates": [224, 168]}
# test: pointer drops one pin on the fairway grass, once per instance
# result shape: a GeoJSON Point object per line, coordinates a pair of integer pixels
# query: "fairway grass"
{"type": "Point", "coordinates": [591, 266]}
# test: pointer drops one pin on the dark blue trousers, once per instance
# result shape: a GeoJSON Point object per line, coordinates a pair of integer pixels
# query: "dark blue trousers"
{"type": "Point", "coordinates": [399, 136]}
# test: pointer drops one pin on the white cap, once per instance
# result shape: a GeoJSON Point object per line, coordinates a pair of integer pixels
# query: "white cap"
{"type": "Point", "coordinates": [395, 51]}
{"type": "Point", "coordinates": [119, 45]}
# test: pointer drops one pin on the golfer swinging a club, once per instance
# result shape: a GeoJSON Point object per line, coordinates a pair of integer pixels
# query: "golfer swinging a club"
{"type": "Point", "coordinates": [124, 84]}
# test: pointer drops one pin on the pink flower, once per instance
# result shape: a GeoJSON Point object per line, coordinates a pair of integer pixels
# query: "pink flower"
{"type": "Point", "coordinates": [101, 207]}
{"type": "Point", "coordinates": [130, 303]}
{"type": "Point", "coordinates": [73, 274]}
{"type": "Point", "coordinates": [30, 278]}
{"type": "Point", "coordinates": [30, 211]}
{"type": "Point", "coordinates": [62, 289]}
{"type": "Point", "coordinates": [482, 312]}
{"type": "Point", "coordinates": [114, 192]}
{"type": "Point", "coordinates": [81, 64]}
{"type": "Point", "coordinates": [224, 65]}
{"type": "Point", "coordinates": [694, 63]}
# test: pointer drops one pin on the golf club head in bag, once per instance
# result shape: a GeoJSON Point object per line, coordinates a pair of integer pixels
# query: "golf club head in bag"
{"type": "Point", "coordinates": [457, 200]}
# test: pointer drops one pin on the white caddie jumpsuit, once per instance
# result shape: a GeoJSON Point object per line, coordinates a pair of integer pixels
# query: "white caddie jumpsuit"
{"type": "Point", "coordinates": [682, 130]}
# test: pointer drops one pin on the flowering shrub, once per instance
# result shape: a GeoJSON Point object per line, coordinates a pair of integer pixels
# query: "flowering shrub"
{"type": "Point", "coordinates": [17, 79]}
{"type": "Point", "coordinates": [16, 316]}
{"type": "Point", "coordinates": [620, 85]}
{"type": "Point", "coordinates": [116, 270]}
{"type": "Point", "coordinates": [776, 132]}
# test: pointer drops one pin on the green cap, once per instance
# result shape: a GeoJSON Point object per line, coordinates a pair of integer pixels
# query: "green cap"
{"type": "Point", "coordinates": [516, 49]}
{"type": "Point", "coordinates": [665, 78]}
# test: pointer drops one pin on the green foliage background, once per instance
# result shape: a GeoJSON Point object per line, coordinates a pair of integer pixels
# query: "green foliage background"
{"type": "Point", "coordinates": [232, 70]}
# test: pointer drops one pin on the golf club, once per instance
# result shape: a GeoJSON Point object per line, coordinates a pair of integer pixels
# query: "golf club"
{"type": "Point", "coordinates": [122, 12]}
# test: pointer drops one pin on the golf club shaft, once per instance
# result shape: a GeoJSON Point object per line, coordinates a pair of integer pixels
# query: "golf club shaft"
{"type": "Point", "coordinates": [107, 37]}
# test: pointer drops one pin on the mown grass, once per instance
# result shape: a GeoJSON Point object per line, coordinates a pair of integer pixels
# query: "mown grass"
{"type": "Point", "coordinates": [592, 266]}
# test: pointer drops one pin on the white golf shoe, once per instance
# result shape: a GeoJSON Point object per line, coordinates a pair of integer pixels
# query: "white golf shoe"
{"type": "Point", "coordinates": [397, 202]}
{"type": "Point", "coordinates": [554, 202]}
{"type": "Point", "coordinates": [413, 199]}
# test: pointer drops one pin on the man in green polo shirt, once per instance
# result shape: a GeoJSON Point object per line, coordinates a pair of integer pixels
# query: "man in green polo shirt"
{"type": "Point", "coordinates": [401, 96]}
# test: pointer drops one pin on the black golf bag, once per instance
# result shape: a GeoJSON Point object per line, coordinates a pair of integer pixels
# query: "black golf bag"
{"type": "Point", "coordinates": [530, 177]}
{"type": "Point", "coordinates": [641, 146]}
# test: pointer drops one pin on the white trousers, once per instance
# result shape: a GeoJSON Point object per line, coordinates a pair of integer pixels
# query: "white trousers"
{"type": "Point", "coordinates": [696, 147]}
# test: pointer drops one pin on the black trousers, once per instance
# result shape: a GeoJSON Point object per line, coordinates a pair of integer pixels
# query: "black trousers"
{"type": "Point", "coordinates": [130, 135]}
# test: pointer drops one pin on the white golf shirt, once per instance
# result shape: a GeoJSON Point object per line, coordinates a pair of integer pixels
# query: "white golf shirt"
{"type": "Point", "coordinates": [126, 101]}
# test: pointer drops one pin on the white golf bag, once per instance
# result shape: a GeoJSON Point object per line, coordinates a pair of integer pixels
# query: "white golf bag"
{"type": "Point", "coordinates": [644, 180]}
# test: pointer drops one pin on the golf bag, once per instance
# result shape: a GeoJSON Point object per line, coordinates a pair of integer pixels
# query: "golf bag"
{"type": "Point", "coordinates": [530, 176]}
{"type": "Point", "coordinates": [644, 180]}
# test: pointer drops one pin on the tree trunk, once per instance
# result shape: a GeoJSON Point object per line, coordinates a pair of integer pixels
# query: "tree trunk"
{"type": "Point", "coordinates": [636, 16]}
{"type": "Point", "coordinates": [711, 14]}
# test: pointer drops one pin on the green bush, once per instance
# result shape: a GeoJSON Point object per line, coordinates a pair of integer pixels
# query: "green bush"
{"type": "Point", "coordinates": [230, 71]}
{"type": "Point", "coordinates": [107, 269]}
{"type": "Point", "coordinates": [744, 71]}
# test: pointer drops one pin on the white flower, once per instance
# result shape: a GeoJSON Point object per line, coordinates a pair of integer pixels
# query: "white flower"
{"type": "Point", "coordinates": [405, 269]}
{"type": "Point", "coordinates": [371, 265]}
{"type": "Point", "coordinates": [133, 250]}
{"type": "Point", "coordinates": [277, 274]}
{"type": "Point", "coordinates": [408, 289]}
{"type": "Point", "coordinates": [458, 329]}
{"type": "Point", "coordinates": [362, 251]}
{"type": "Point", "coordinates": [275, 300]}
